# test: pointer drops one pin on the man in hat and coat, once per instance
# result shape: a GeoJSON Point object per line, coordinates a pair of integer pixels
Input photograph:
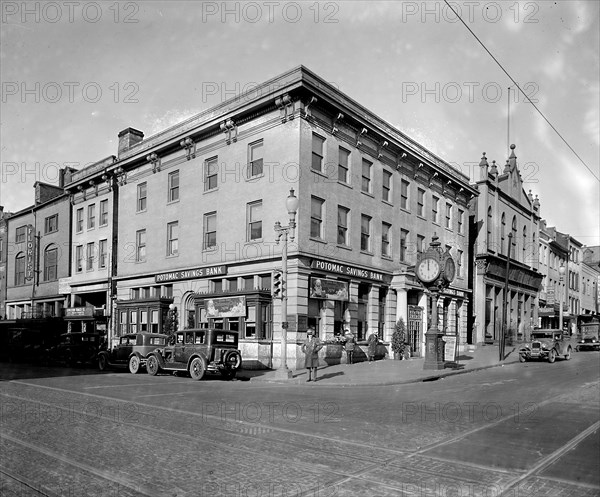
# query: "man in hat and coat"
{"type": "Point", "coordinates": [310, 348]}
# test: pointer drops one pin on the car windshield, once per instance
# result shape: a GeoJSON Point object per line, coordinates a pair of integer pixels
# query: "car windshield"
{"type": "Point", "coordinates": [538, 335]}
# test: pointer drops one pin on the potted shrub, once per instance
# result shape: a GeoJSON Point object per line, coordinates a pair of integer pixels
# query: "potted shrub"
{"type": "Point", "coordinates": [399, 339]}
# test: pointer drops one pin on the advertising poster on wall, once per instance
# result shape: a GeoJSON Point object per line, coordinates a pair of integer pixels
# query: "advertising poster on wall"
{"type": "Point", "coordinates": [323, 288]}
{"type": "Point", "coordinates": [225, 307]}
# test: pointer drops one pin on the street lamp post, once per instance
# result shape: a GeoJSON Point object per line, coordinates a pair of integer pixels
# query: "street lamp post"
{"type": "Point", "coordinates": [561, 274]}
{"type": "Point", "coordinates": [285, 232]}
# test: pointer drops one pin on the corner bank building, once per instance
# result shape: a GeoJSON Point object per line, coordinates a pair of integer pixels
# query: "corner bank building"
{"type": "Point", "coordinates": [194, 209]}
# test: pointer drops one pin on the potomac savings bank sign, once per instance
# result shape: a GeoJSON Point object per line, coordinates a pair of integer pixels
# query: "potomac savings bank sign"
{"type": "Point", "coordinates": [334, 267]}
{"type": "Point", "coordinates": [190, 274]}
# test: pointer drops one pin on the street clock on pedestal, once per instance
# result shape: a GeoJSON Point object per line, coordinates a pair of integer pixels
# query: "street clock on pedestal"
{"type": "Point", "coordinates": [449, 268]}
{"type": "Point", "coordinates": [428, 269]}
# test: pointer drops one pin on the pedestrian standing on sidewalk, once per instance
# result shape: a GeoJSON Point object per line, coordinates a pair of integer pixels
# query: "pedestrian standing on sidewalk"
{"type": "Point", "coordinates": [349, 343]}
{"type": "Point", "coordinates": [372, 342]}
{"type": "Point", "coordinates": [310, 348]}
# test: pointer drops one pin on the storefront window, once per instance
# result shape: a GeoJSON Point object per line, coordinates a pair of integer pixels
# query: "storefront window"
{"type": "Point", "coordinates": [154, 321]}
{"type": "Point", "coordinates": [251, 322]}
{"type": "Point", "coordinates": [133, 321]}
{"type": "Point", "coordinates": [143, 320]}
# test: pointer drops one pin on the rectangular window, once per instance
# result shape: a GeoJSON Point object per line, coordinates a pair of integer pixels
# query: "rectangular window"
{"type": "Point", "coordinates": [386, 229]}
{"type": "Point", "coordinates": [420, 244]}
{"type": "Point", "coordinates": [342, 231]}
{"type": "Point", "coordinates": [140, 245]}
{"type": "Point", "coordinates": [142, 193]}
{"type": "Point", "coordinates": [404, 194]}
{"type": "Point", "coordinates": [103, 253]}
{"type": "Point", "coordinates": [460, 221]}
{"type": "Point", "coordinates": [1, 248]}
{"type": "Point", "coordinates": [51, 224]}
{"type": "Point", "coordinates": [103, 212]}
{"type": "Point", "coordinates": [210, 230]}
{"type": "Point", "coordinates": [448, 216]}
{"type": "Point", "coordinates": [91, 218]}
{"type": "Point", "coordinates": [154, 321]}
{"type": "Point", "coordinates": [459, 263]}
{"type": "Point", "coordinates": [50, 264]}
{"type": "Point", "coordinates": [365, 233]}
{"type": "Point", "coordinates": [173, 238]}
{"type": "Point", "coordinates": [403, 243]}
{"type": "Point", "coordinates": [143, 320]}
{"type": "Point", "coordinates": [20, 234]}
{"type": "Point", "coordinates": [317, 152]}
{"type": "Point", "coordinates": [316, 217]}
{"type": "Point", "coordinates": [133, 321]}
{"type": "Point", "coordinates": [254, 216]}
{"type": "Point", "coordinates": [421, 202]}
{"type": "Point", "coordinates": [366, 176]}
{"type": "Point", "coordinates": [343, 165]}
{"type": "Point", "coordinates": [79, 221]}
{"type": "Point", "coordinates": [173, 186]}
{"type": "Point", "coordinates": [211, 168]}
{"type": "Point", "coordinates": [255, 159]}
{"type": "Point", "coordinates": [79, 258]}
{"type": "Point", "coordinates": [89, 256]}
{"type": "Point", "coordinates": [386, 193]}
{"type": "Point", "coordinates": [434, 209]}
{"type": "Point", "coordinates": [20, 270]}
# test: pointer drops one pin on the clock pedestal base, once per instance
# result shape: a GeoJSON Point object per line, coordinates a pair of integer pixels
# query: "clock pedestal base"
{"type": "Point", "coordinates": [434, 350]}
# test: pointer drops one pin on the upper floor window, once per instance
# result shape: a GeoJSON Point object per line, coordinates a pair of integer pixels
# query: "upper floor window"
{"type": "Point", "coordinates": [102, 253]}
{"type": "Point", "coordinates": [79, 258]}
{"type": "Point", "coordinates": [91, 218]}
{"type": "Point", "coordinates": [173, 180]}
{"type": "Point", "coordinates": [386, 187]}
{"type": "Point", "coordinates": [366, 176]}
{"type": "Point", "coordinates": [51, 224]}
{"type": "Point", "coordinates": [343, 165]}
{"type": "Point", "coordinates": [404, 186]}
{"type": "Point", "coordinates": [459, 263]}
{"type": "Point", "coordinates": [254, 216]}
{"type": "Point", "coordinates": [103, 212]}
{"type": "Point", "coordinates": [489, 229]}
{"type": "Point", "coordinates": [525, 244]}
{"type": "Point", "coordinates": [502, 232]}
{"type": "Point", "coordinates": [89, 256]}
{"type": "Point", "coordinates": [173, 238]}
{"type": "Point", "coordinates": [316, 217]}
{"type": "Point", "coordinates": [460, 221]}
{"type": "Point", "coordinates": [403, 243]}
{"type": "Point", "coordinates": [386, 229]}
{"type": "Point", "coordinates": [210, 230]}
{"type": "Point", "coordinates": [318, 143]}
{"type": "Point", "coordinates": [421, 202]}
{"type": "Point", "coordinates": [255, 162]}
{"type": "Point", "coordinates": [140, 246]}
{"type": "Point", "coordinates": [79, 220]}
{"type": "Point", "coordinates": [211, 169]}
{"type": "Point", "coordinates": [50, 263]}
{"type": "Point", "coordinates": [20, 234]}
{"type": "Point", "coordinates": [342, 231]}
{"type": "Point", "coordinates": [142, 193]}
{"type": "Point", "coordinates": [434, 209]}
{"type": "Point", "coordinates": [365, 233]}
{"type": "Point", "coordinates": [448, 223]}
{"type": "Point", "coordinates": [420, 244]}
{"type": "Point", "coordinates": [20, 269]}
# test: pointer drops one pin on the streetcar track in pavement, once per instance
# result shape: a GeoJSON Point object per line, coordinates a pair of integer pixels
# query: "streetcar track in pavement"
{"type": "Point", "coordinates": [21, 482]}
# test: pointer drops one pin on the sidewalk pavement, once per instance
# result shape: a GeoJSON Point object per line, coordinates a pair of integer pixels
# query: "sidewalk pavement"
{"type": "Point", "coordinates": [389, 371]}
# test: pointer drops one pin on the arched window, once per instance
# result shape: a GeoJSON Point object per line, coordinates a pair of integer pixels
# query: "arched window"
{"type": "Point", "coordinates": [20, 269]}
{"type": "Point", "coordinates": [525, 244]}
{"type": "Point", "coordinates": [502, 233]}
{"type": "Point", "coordinates": [489, 228]}
{"type": "Point", "coordinates": [513, 239]}
{"type": "Point", "coordinates": [51, 263]}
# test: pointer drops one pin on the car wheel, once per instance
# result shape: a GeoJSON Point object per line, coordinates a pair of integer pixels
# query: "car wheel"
{"type": "Point", "coordinates": [152, 365]}
{"type": "Point", "coordinates": [197, 368]}
{"type": "Point", "coordinates": [522, 358]}
{"type": "Point", "coordinates": [102, 362]}
{"type": "Point", "coordinates": [568, 354]}
{"type": "Point", "coordinates": [552, 356]}
{"type": "Point", "coordinates": [134, 364]}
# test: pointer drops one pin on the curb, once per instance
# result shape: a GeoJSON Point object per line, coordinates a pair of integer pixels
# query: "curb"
{"type": "Point", "coordinates": [297, 381]}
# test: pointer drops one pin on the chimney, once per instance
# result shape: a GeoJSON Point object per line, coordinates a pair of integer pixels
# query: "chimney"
{"type": "Point", "coordinates": [64, 176]}
{"type": "Point", "coordinates": [128, 138]}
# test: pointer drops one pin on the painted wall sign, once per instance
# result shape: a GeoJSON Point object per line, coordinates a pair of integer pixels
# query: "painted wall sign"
{"type": "Point", "coordinates": [323, 288]}
{"type": "Point", "coordinates": [225, 307]}
{"type": "Point", "coordinates": [29, 252]}
{"type": "Point", "coordinates": [190, 274]}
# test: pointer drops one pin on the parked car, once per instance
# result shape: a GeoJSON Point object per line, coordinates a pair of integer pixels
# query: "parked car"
{"type": "Point", "coordinates": [589, 337]}
{"type": "Point", "coordinates": [131, 351]}
{"type": "Point", "coordinates": [75, 348]}
{"type": "Point", "coordinates": [546, 344]}
{"type": "Point", "coordinates": [198, 351]}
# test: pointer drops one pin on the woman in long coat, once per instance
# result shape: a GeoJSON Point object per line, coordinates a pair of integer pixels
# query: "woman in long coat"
{"type": "Point", "coordinates": [310, 348]}
{"type": "Point", "coordinates": [372, 342]}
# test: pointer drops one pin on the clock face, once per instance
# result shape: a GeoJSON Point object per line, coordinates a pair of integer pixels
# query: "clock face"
{"type": "Point", "coordinates": [449, 269]}
{"type": "Point", "coordinates": [428, 270]}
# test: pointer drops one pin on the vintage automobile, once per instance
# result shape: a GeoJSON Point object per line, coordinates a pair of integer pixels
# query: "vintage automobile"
{"type": "Point", "coordinates": [589, 337]}
{"type": "Point", "coordinates": [75, 348]}
{"type": "Point", "coordinates": [131, 351]}
{"type": "Point", "coordinates": [198, 351]}
{"type": "Point", "coordinates": [546, 344]}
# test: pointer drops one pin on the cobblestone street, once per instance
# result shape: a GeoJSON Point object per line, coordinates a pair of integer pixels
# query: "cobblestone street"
{"type": "Point", "coordinates": [117, 434]}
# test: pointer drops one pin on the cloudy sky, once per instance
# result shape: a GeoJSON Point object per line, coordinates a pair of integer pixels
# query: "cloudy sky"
{"type": "Point", "coordinates": [74, 74]}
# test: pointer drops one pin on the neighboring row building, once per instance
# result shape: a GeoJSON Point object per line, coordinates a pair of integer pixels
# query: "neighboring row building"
{"type": "Point", "coordinates": [181, 223]}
